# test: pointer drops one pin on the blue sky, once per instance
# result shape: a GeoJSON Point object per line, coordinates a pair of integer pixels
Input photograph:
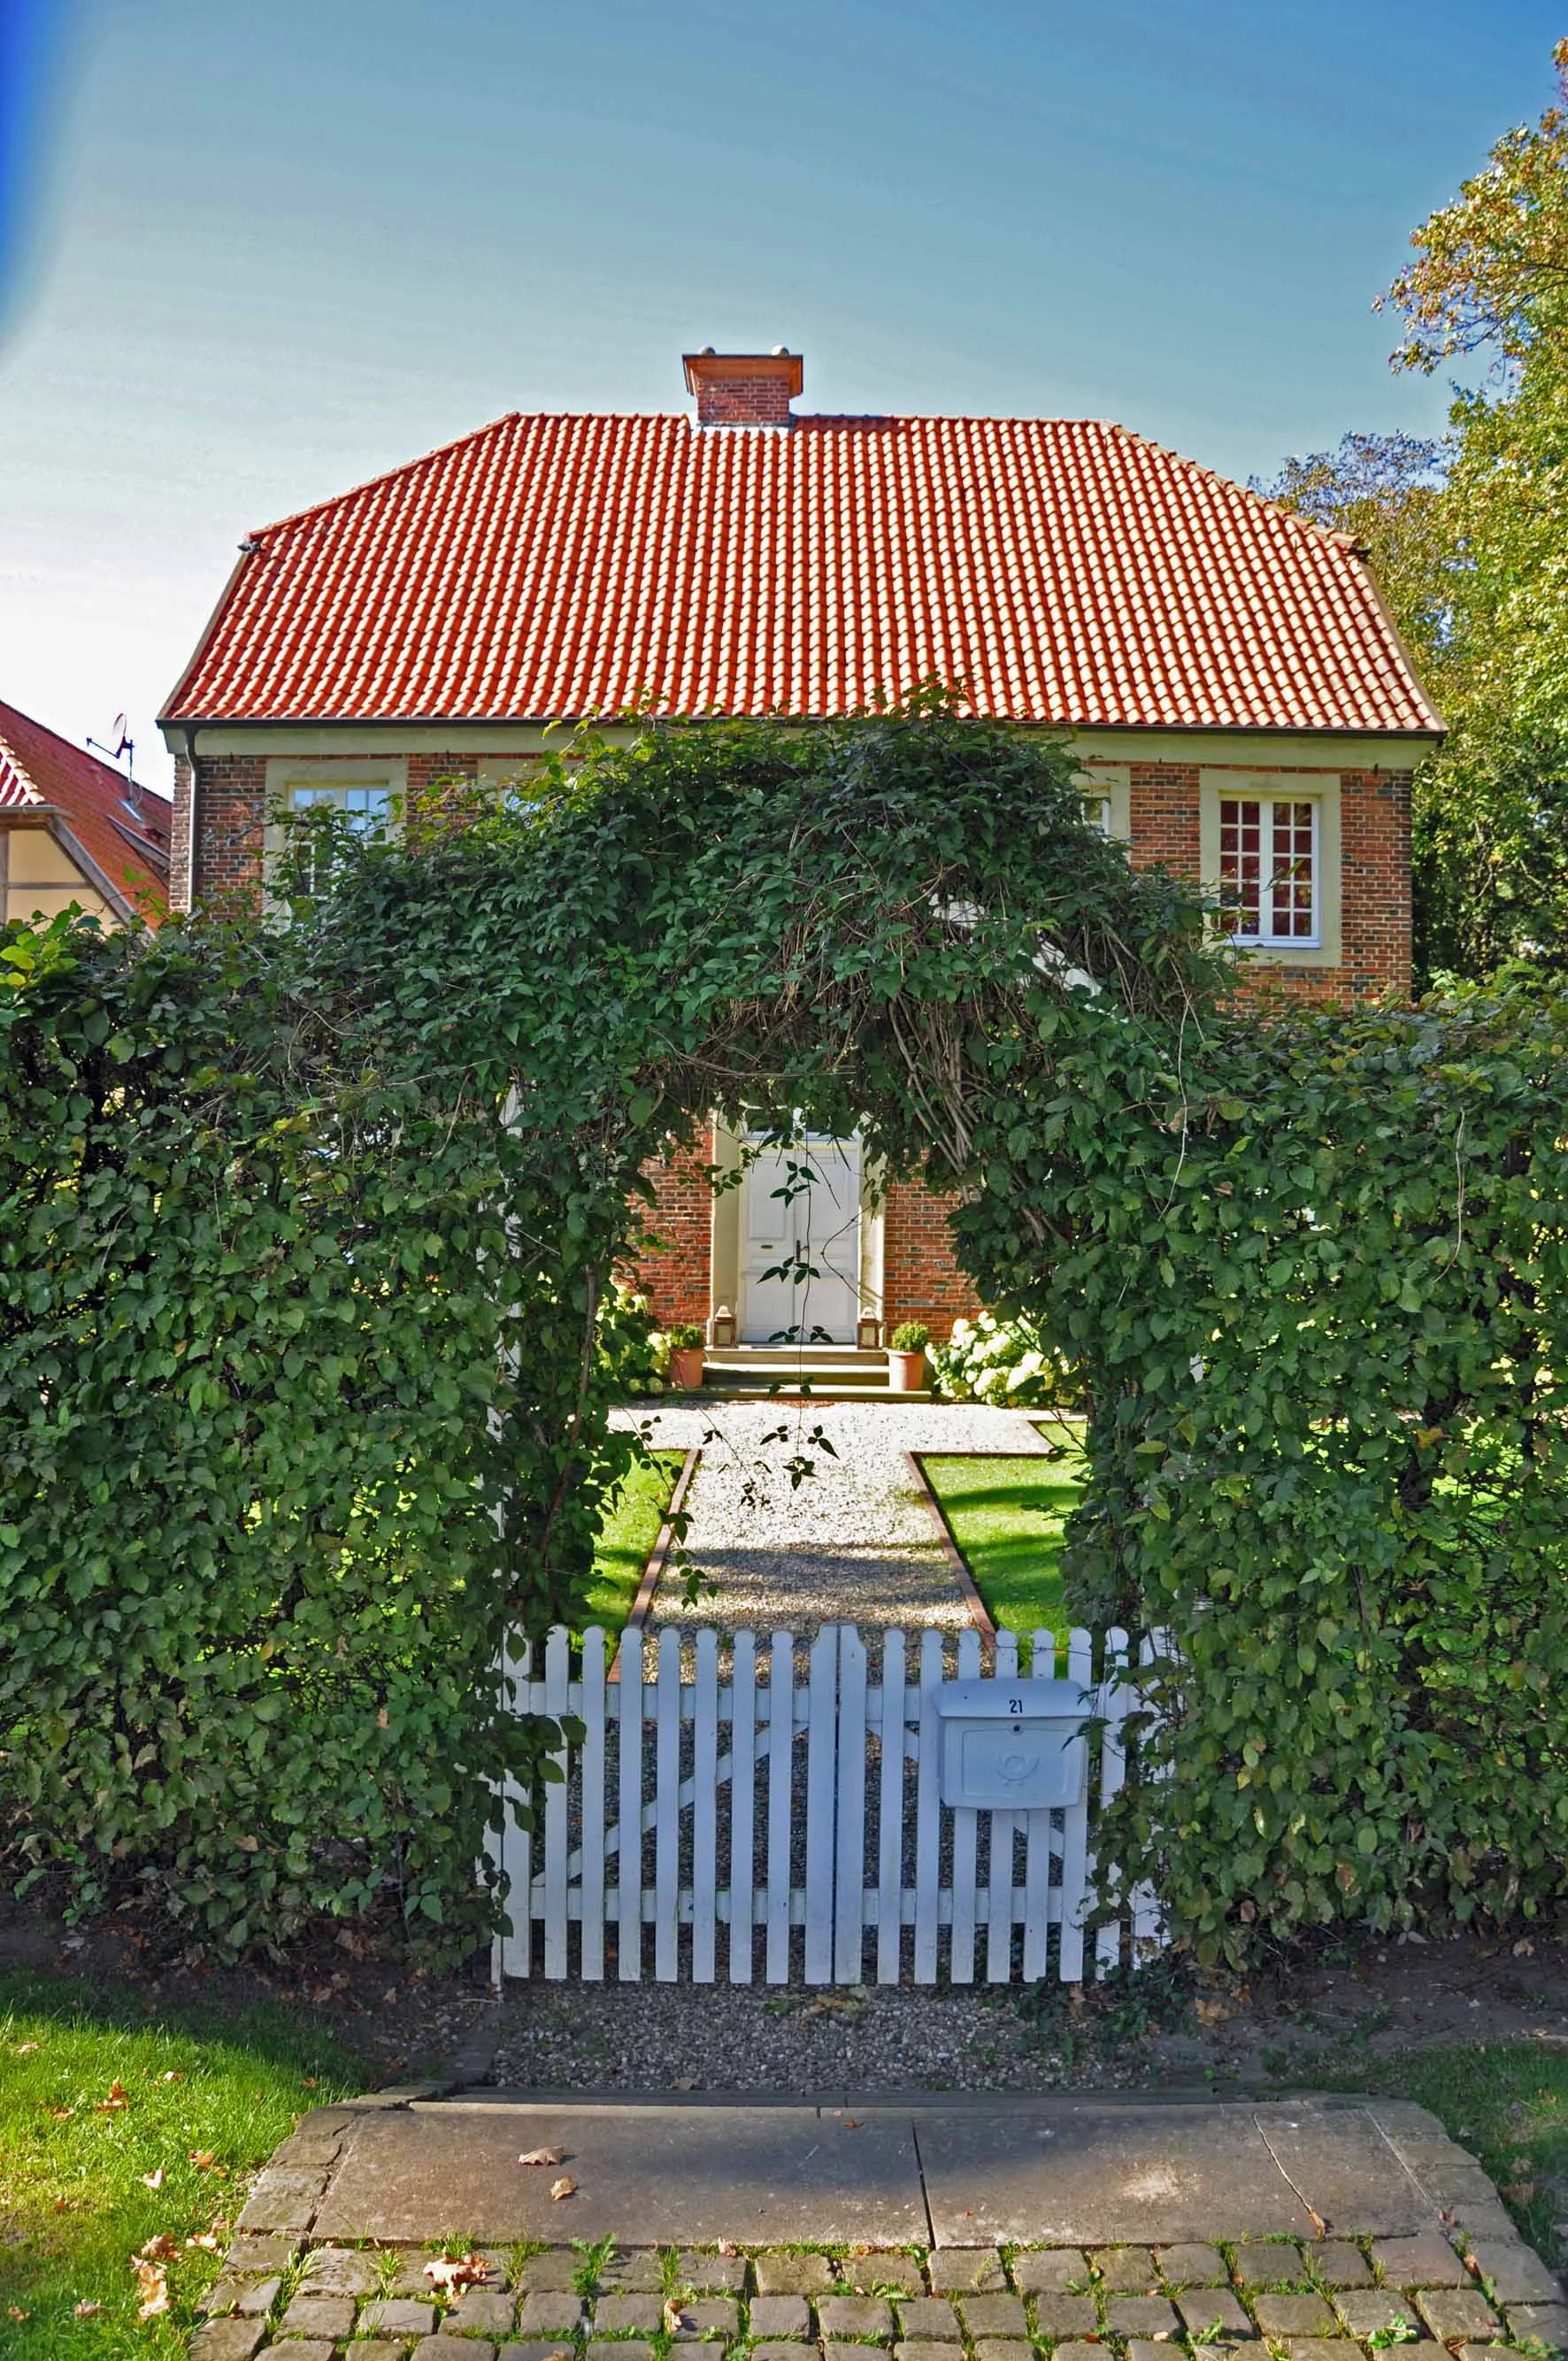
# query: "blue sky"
{"type": "Point", "coordinates": [272, 249]}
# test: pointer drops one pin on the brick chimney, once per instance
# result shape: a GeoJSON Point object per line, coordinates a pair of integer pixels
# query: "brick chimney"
{"type": "Point", "coordinates": [744, 389]}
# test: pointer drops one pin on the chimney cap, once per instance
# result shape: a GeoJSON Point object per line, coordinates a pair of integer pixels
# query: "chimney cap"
{"type": "Point", "coordinates": [708, 367]}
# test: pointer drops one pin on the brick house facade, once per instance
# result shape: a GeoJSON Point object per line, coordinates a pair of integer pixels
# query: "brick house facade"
{"type": "Point", "coordinates": [1227, 673]}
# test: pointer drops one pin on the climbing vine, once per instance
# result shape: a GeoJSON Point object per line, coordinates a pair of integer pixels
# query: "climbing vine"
{"type": "Point", "coordinates": [306, 1232]}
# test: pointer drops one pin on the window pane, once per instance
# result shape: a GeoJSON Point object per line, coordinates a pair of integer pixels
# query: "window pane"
{"type": "Point", "coordinates": [1292, 882]}
{"type": "Point", "coordinates": [365, 808]}
{"type": "Point", "coordinates": [1241, 861]}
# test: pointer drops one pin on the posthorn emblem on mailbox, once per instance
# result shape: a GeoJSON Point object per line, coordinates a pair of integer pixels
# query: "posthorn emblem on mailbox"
{"type": "Point", "coordinates": [1014, 1745]}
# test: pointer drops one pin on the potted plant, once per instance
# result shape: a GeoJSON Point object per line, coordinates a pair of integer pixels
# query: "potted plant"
{"type": "Point", "coordinates": [906, 1356]}
{"type": "Point", "coordinates": [686, 1356]}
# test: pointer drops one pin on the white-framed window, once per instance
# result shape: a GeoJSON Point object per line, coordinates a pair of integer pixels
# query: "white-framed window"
{"type": "Point", "coordinates": [365, 804]}
{"type": "Point", "coordinates": [1270, 871]}
{"type": "Point", "coordinates": [1104, 789]}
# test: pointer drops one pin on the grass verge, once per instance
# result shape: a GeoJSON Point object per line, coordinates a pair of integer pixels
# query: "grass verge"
{"type": "Point", "coordinates": [1506, 2102]}
{"type": "Point", "coordinates": [97, 2099]}
{"type": "Point", "coordinates": [1007, 1516]}
{"type": "Point", "coordinates": [628, 1535]}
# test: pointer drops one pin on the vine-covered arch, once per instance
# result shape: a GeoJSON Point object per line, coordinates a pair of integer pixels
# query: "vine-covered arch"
{"type": "Point", "coordinates": [306, 1226]}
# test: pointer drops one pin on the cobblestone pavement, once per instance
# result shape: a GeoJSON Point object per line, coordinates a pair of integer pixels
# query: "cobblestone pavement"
{"type": "Point", "coordinates": [939, 2235]}
{"type": "Point", "coordinates": [852, 1543]}
{"type": "Point", "coordinates": [1334, 2300]}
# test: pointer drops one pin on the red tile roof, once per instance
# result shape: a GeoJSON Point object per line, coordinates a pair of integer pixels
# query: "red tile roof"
{"type": "Point", "coordinates": [1060, 570]}
{"type": "Point", "coordinates": [128, 840]}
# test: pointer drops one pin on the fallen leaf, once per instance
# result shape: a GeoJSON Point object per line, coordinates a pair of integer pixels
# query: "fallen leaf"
{"type": "Point", "coordinates": [152, 2286]}
{"type": "Point", "coordinates": [63, 2114]}
{"type": "Point", "coordinates": [15, 2312]}
{"type": "Point", "coordinates": [203, 2156]}
{"type": "Point", "coordinates": [173, 2078]}
{"type": "Point", "coordinates": [851, 2123]}
{"type": "Point", "coordinates": [672, 2317]}
{"type": "Point", "coordinates": [1211, 2011]}
{"type": "Point", "coordinates": [563, 2188]}
{"type": "Point", "coordinates": [728, 2246]}
{"type": "Point", "coordinates": [390, 1995]}
{"type": "Point", "coordinates": [27, 2050]}
{"type": "Point", "coordinates": [860, 2249]}
{"type": "Point", "coordinates": [1320, 2227]}
{"type": "Point", "coordinates": [206, 2239]}
{"type": "Point", "coordinates": [685, 2083]}
{"type": "Point", "coordinates": [118, 2097]}
{"type": "Point", "coordinates": [307, 2081]}
{"type": "Point", "coordinates": [161, 2249]}
{"type": "Point", "coordinates": [456, 2274]}
{"type": "Point", "coordinates": [85, 2310]}
{"type": "Point", "coordinates": [1519, 2192]}
{"type": "Point", "coordinates": [249, 1844]}
{"type": "Point", "coordinates": [542, 2155]}
{"type": "Point", "coordinates": [1524, 1948]}
{"type": "Point", "coordinates": [153, 2179]}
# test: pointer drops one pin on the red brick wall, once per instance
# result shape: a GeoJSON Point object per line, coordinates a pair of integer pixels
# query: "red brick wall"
{"type": "Point", "coordinates": [231, 814]}
{"type": "Point", "coordinates": [1163, 801]}
{"type": "Point", "coordinates": [921, 1279]}
{"type": "Point", "coordinates": [674, 1270]}
{"type": "Point", "coordinates": [1374, 853]}
{"type": "Point", "coordinates": [231, 808]}
{"type": "Point", "coordinates": [1375, 870]}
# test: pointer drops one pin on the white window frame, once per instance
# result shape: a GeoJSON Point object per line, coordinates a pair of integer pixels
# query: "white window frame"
{"type": "Point", "coordinates": [1262, 937]}
{"type": "Point", "coordinates": [1321, 948]}
{"type": "Point", "coordinates": [284, 776]}
{"type": "Point", "coordinates": [1107, 792]}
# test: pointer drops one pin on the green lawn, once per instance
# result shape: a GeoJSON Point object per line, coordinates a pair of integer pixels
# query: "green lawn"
{"type": "Point", "coordinates": [1506, 2102]}
{"type": "Point", "coordinates": [1007, 1516]}
{"type": "Point", "coordinates": [627, 1537]}
{"type": "Point", "coordinates": [74, 2200]}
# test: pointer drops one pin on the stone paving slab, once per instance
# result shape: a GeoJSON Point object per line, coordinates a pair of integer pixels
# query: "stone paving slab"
{"type": "Point", "coordinates": [1162, 2174]}
{"type": "Point", "coordinates": [688, 2176]}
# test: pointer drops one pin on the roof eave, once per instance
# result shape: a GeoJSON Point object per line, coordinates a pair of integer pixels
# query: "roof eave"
{"type": "Point", "coordinates": [175, 726]}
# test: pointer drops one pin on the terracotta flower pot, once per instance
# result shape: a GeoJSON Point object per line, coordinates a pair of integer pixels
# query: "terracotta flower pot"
{"type": "Point", "coordinates": [686, 1367]}
{"type": "Point", "coordinates": [905, 1371]}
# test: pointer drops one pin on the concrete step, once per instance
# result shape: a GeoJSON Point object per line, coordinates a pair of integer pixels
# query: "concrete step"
{"type": "Point", "coordinates": [834, 1372]}
{"type": "Point", "coordinates": [791, 1390]}
{"type": "Point", "coordinates": [844, 1358]}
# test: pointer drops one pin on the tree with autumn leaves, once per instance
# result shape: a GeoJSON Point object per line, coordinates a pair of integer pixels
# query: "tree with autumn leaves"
{"type": "Point", "coordinates": [1468, 538]}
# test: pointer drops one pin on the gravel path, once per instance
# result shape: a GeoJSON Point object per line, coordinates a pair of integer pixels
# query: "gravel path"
{"type": "Point", "coordinates": [791, 2042]}
{"type": "Point", "coordinates": [851, 1544]}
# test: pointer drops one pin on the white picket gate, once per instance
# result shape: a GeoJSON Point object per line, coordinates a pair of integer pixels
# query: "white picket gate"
{"type": "Point", "coordinates": [838, 1833]}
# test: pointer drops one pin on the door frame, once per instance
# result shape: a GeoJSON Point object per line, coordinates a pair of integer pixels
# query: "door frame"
{"type": "Point", "coordinates": [725, 1254]}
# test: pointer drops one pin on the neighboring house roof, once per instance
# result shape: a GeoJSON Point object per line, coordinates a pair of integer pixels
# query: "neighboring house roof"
{"type": "Point", "coordinates": [117, 834]}
{"type": "Point", "coordinates": [1059, 570]}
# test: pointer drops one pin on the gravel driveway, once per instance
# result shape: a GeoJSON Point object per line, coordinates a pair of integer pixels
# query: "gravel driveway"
{"type": "Point", "coordinates": [852, 1543]}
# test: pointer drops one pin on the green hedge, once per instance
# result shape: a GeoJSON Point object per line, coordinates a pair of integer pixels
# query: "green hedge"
{"type": "Point", "coordinates": [1323, 1301]}
{"type": "Point", "coordinates": [305, 1233]}
{"type": "Point", "coordinates": [248, 1356]}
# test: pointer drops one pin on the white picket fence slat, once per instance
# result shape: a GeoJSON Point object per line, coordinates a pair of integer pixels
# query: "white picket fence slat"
{"type": "Point", "coordinates": [706, 1784]}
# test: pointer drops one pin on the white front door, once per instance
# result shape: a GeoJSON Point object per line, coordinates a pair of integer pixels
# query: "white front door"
{"type": "Point", "coordinates": [800, 1244]}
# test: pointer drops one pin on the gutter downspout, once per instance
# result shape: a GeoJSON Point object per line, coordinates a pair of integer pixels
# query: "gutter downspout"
{"type": "Point", "coordinates": [190, 735]}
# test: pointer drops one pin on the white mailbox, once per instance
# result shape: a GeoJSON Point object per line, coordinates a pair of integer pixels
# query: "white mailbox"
{"type": "Point", "coordinates": [1014, 1745]}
